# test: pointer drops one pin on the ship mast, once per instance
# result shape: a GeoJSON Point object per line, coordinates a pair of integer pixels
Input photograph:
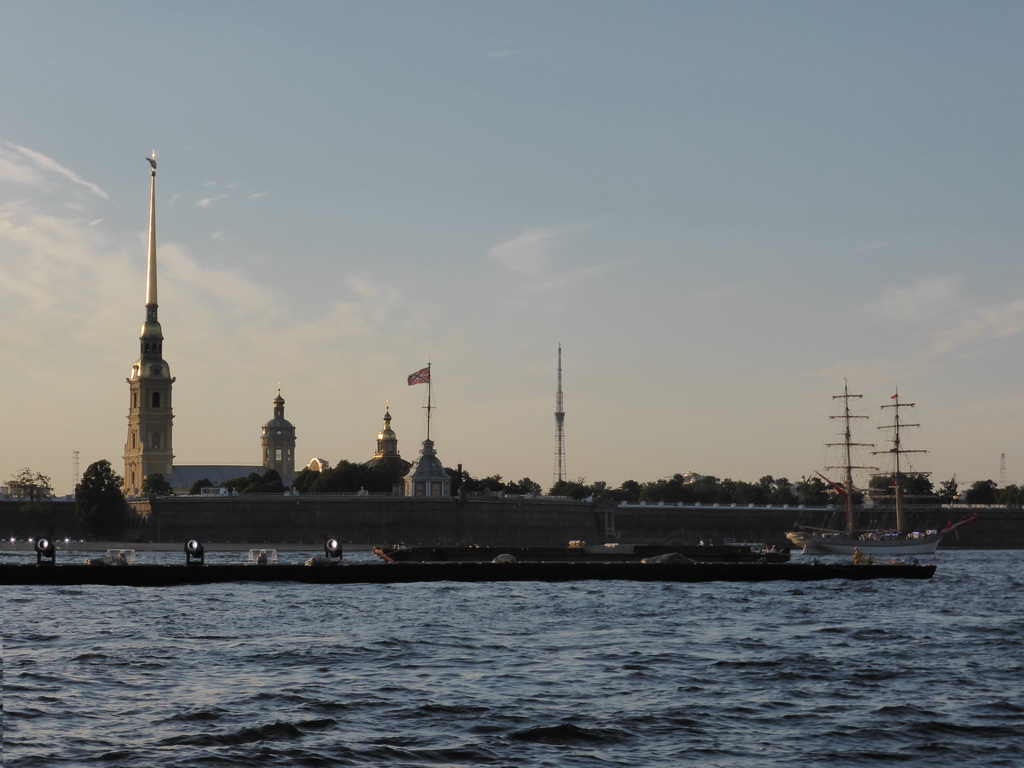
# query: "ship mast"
{"type": "Point", "coordinates": [848, 445]}
{"type": "Point", "coordinates": [896, 452]}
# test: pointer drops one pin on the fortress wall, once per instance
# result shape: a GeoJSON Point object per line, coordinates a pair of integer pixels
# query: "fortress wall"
{"type": "Point", "coordinates": [994, 529]}
{"type": "Point", "coordinates": [58, 521]}
{"type": "Point", "coordinates": [689, 525]}
{"type": "Point", "coordinates": [526, 522]}
{"type": "Point", "coordinates": [364, 520]}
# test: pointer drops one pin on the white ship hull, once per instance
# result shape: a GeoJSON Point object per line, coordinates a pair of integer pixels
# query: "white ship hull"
{"type": "Point", "coordinates": [882, 546]}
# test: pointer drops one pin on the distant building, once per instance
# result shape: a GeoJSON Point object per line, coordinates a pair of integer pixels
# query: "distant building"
{"type": "Point", "coordinates": [148, 449]}
{"type": "Point", "coordinates": [428, 477]}
{"type": "Point", "coordinates": [278, 443]}
{"type": "Point", "coordinates": [318, 465]}
{"type": "Point", "coordinates": [386, 459]}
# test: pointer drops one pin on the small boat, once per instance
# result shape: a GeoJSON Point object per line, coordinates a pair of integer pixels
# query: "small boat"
{"type": "Point", "coordinates": [579, 552]}
{"type": "Point", "coordinates": [899, 538]}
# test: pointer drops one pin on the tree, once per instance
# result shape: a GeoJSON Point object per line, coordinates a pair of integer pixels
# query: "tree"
{"type": "Point", "coordinates": [948, 491]}
{"type": "Point", "coordinates": [99, 500]}
{"type": "Point", "coordinates": [344, 477]}
{"type": "Point", "coordinates": [813, 492]}
{"type": "Point", "coordinates": [198, 485]}
{"type": "Point", "coordinates": [34, 486]}
{"type": "Point", "coordinates": [156, 485]}
{"type": "Point", "coordinates": [492, 484]}
{"type": "Point", "coordinates": [460, 478]}
{"type": "Point", "coordinates": [525, 487]}
{"type": "Point", "coordinates": [982, 492]}
{"type": "Point", "coordinates": [472, 485]}
{"type": "Point", "coordinates": [1011, 496]}
{"type": "Point", "coordinates": [574, 489]}
{"type": "Point", "coordinates": [629, 491]}
{"type": "Point", "coordinates": [910, 485]}
{"type": "Point", "coordinates": [268, 482]}
{"type": "Point", "coordinates": [708, 490]}
{"type": "Point", "coordinates": [672, 490]}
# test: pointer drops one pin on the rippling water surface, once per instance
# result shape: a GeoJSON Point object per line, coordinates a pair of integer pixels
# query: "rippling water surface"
{"type": "Point", "coordinates": [528, 674]}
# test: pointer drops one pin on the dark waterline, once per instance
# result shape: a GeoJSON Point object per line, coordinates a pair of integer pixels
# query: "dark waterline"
{"type": "Point", "coordinates": [531, 674]}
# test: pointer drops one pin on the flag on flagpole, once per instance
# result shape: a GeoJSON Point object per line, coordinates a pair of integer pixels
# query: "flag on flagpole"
{"type": "Point", "coordinates": [422, 376]}
{"type": "Point", "coordinates": [894, 397]}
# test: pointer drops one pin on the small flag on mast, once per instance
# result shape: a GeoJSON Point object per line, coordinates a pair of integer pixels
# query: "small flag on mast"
{"type": "Point", "coordinates": [895, 397]}
{"type": "Point", "coordinates": [422, 376]}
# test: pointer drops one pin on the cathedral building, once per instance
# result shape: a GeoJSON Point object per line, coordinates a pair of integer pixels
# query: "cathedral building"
{"type": "Point", "coordinates": [386, 459]}
{"type": "Point", "coordinates": [278, 442]}
{"type": "Point", "coordinates": [148, 449]}
{"type": "Point", "coordinates": [387, 454]}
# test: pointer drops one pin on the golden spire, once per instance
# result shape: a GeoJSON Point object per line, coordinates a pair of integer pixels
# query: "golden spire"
{"type": "Point", "coordinates": [151, 300]}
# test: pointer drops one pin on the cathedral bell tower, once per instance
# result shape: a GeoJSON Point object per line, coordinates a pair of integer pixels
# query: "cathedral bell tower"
{"type": "Point", "coordinates": [148, 449]}
{"type": "Point", "coordinates": [278, 443]}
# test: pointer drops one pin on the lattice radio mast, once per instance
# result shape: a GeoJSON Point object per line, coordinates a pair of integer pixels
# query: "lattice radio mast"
{"type": "Point", "coordinates": [559, 426]}
{"type": "Point", "coordinates": [1002, 470]}
{"type": "Point", "coordinates": [74, 466]}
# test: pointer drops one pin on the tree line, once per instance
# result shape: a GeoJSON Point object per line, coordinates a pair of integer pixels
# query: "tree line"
{"type": "Point", "coordinates": [352, 477]}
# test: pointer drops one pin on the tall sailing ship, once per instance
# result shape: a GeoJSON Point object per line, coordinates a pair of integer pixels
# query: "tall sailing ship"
{"type": "Point", "coordinates": [899, 536]}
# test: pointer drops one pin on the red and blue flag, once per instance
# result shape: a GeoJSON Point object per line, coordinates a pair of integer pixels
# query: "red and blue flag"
{"type": "Point", "coordinates": [422, 376]}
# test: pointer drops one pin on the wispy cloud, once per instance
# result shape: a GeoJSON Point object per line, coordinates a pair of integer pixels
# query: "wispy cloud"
{"type": "Point", "coordinates": [531, 257]}
{"type": "Point", "coordinates": [923, 300]}
{"type": "Point", "coordinates": [877, 246]}
{"type": "Point", "coordinates": [45, 164]}
{"type": "Point", "coordinates": [951, 321]}
{"type": "Point", "coordinates": [877, 374]}
{"type": "Point", "coordinates": [982, 324]}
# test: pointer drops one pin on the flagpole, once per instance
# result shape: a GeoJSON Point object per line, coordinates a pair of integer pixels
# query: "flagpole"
{"type": "Point", "coordinates": [428, 401]}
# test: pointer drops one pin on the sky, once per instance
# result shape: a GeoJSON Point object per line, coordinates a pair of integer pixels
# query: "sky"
{"type": "Point", "coordinates": [722, 211]}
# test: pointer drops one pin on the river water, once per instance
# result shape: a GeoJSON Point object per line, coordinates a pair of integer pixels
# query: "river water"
{"type": "Point", "coordinates": [915, 673]}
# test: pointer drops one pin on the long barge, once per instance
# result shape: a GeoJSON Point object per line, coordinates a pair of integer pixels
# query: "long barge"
{"type": "Point", "coordinates": [601, 553]}
{"type": "Point", "coordinates": [403, 573]}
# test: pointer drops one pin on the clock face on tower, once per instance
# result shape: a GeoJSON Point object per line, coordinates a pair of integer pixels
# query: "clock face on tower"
{"type": "Point", "coordinates": [155, 370]}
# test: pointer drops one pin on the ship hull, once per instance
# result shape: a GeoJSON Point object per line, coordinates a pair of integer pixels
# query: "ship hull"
{"type": "Point", "coordinates": [840, 544]}
{"type": "Point", "coordinates": [401, 573]}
